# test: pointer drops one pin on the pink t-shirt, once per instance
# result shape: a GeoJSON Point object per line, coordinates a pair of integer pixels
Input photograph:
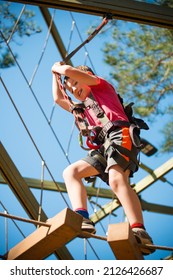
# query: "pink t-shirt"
{"type": "Point", "coordinates": [108, 100]}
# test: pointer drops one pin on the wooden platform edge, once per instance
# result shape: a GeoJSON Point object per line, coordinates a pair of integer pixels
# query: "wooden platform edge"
{"type": "Point", "coordinates": [65, 226]}
{"type": "Point", "coordinates": [123, 243]}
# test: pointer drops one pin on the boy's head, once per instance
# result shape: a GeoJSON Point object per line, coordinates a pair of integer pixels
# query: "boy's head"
{"type": "Point", "coordinates": [79, 90]}
{"type": "Point", "coordinates": [83, 68]}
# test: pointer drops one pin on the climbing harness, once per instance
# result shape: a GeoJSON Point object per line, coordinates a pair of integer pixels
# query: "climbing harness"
{"type": "Point", "coordinates": [134, 125]}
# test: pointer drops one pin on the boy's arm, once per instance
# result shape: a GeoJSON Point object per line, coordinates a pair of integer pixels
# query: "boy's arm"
{"type": "Point", "coordinates": [75, 74]}
{"type": "Point", "coordinates": [58, 95]}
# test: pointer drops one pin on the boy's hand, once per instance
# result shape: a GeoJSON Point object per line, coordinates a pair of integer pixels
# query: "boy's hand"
{"type": "Point", "coordinates": [57, 64]}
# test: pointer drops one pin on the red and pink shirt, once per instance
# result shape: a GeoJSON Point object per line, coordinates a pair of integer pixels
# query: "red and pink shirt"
{"type": "Point", "coordinates": [107, 98]}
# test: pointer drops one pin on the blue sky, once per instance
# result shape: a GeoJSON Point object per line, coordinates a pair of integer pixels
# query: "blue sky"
{"type": "Point", "coordinates": [19, 146]}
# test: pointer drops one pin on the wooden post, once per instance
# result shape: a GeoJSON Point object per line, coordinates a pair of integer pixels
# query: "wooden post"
{"type": "Point", "coordinates": [63, 227]}
{"type": "Point", "coordinates": [123, 243]}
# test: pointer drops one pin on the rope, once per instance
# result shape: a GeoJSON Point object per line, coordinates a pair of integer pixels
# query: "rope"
{"type": "Point", "coordinates": [90, 37]}
{"type": "Point", "coordinates": [104, 238]}
{"type": "Point", "coordinates": [71, 34]}
{"type": "Point", "coordinates": [93, 250]}
{"type": "Point", "coordinates": [13, 221]}
{"type": "Point", "coordinates": [52, 111]}
{"type": "Point", "coordinates": [43, 50]}
{"type": "Point", "coordinates": [86, 234]}
{"type": "Point", "coordinates": [158, 247]}
{"type": "Point", "coordinates": [41, 193]}
{"type": "Point", "coordinates": [152, 246]}
{"type": "Point", "coordinates": [82, 42]}
{"type": "Point", "coordinates": [70, 138]}
{"type": "Point", "coordinates": [38, 151]}
{"type": "Point", "coordinates": [91, 202]}
{"type": "Point", "coordinates": [24, 219]}
{"type": "Point", "coordinates": [6, 232]}
{"type": "Point", "coordinates": [15, 26]}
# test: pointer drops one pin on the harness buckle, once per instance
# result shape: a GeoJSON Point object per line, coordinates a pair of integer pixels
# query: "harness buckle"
{"type": "Point", "coordinates": [106, 128]}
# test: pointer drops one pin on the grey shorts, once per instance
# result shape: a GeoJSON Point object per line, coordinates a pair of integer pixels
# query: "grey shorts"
{"type": "Point", "coordinates": [103, 159]}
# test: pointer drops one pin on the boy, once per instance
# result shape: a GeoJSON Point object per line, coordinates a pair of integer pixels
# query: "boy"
{"type": "Point", "coordinates": [115, 167]}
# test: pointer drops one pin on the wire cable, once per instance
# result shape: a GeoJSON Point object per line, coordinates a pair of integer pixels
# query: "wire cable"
{"type": "Point", "coordinates": [41, 192]}
{"type": "Point", "coordinates": [13, 220]}
{"type": "Point", "coordinates": [30, 136]}
{"type": "Point", "coordinates": [71, 14]}
{"type": "Point", "coordinates": [36, 99]}
{"type": "Point", "coordinates": [43, 50]}
{"type": "Point", "coordinates": [71, 34]}
{"type": "Point", "coordinates": [16, 23]}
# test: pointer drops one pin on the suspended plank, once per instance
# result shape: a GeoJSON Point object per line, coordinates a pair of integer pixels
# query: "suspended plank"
{"type": "Point", "coordinates": [19, 187]}
{"type": "Point", "coordinates": [63, 227]}
{"type": "Point", "coordinates": [123, 243]}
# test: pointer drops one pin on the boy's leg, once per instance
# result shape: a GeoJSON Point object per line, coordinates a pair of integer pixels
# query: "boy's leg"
{"type": "Point", "coordinates": [73, 176]}
{"type": "Point", "coordinates": [118, 180]}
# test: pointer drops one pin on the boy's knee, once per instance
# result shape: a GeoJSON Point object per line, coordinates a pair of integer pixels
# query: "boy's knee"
{"type": "Point", "coordinates": [116, 181]}
{"type": "Point", "coordinates": [68, 172]}
{"type": "Point", "coordinates": [113, 182]}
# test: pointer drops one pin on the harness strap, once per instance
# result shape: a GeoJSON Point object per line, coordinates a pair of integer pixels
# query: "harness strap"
{"type": "Point", "coordinates": [80, 121]}
{"type": "Point", "coordinates": [108, 126]}
{"type": "Point", "coordinates": [100, 114]}
{"type": "Point", "coordinates": [110, 148]}
{"type": "Point", "coordinates": [134, 135]}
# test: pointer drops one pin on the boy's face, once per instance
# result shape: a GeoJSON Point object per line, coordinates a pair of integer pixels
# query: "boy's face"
{"type": "Point", "coordinates": [79, 90]}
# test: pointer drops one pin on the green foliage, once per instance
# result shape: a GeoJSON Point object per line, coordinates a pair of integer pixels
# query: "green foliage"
{"type": "Point", "coordinates": [142, 67]}
{"type": "Point", "coordinates": [25, 27]}
{"type": "Point", "coordinates": [167, 145]}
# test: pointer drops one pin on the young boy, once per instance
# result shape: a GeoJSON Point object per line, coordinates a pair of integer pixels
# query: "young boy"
{"type": "Point", "coordinates": [114, 166]}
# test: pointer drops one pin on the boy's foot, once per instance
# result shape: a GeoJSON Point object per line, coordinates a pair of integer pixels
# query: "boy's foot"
{"type": "Point", "coordinates": [143, 237]}
{"type": "Point", "coordinates": [88, 227]}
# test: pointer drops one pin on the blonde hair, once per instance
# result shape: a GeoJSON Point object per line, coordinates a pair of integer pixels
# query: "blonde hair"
{"type": "Point", "coordinates": [80, 67]}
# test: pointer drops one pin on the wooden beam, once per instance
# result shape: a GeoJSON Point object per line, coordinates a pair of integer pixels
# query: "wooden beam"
{"type": "Point", "coordinates": [63, 227]}
{"type": "Point", "coordinates": [156, 208]}
{"type": "Point", "coordinates": [128, 10]}
{"type": "Point", "coordinates": [50, 186]}
{"type": "Point", "coordinates": [20, 189]}
{"type": "Point", "coordinates": [154, 176]}
{"type": "Point", "coordinates": [91, 191]}
{"type": "Point", "coordinates": [123, 243]}
{"type": "Point", "coordinates": [150, 171]}
{"type": "Point", "coordinates": [18, 185]}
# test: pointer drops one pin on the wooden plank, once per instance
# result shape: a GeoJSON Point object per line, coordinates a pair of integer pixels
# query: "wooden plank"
{"type": "Point", "coordinates": [123, 243]}
{"type": "Point", "coordinates": [20, 189]}
{"type": "Point", "coordinates": [63, 227]}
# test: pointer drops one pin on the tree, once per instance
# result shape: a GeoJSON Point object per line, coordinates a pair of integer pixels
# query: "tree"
{"type": "Point", "coordinates": [141, 60]}
{"type": "Point", "coordinates": [25, 27]}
